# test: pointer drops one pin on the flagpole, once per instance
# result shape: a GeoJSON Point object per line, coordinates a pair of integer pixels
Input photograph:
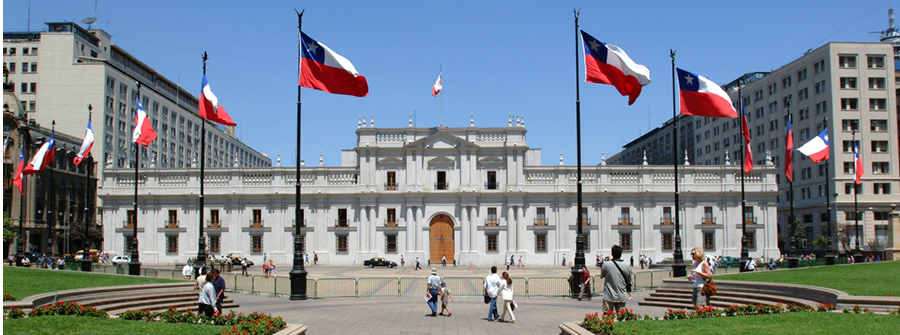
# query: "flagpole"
{"type": "Point", "coordinates": [745, 252]}
{"type": "Point", "coordinates": [50, 203]}
{"type": "Point", "coordinates": [793, 261]}
{"type": "Point", "coordinates": [829, 258]}
{"type": "Point", "coordinates": [86, 264]}
{"type": "Point", "coordinates": [856, 194]}
{"type": "Point", "coordinates": [298, 273]}
{"type": "Point", "coordinates": [134, 267]}
{"type": "Point", "coordinates": [26, 141]}
{"type": "Point", "coordinates": [440, 74]}
{"type": "Point", "coordinates": [579, 236]}
{"type": "Point", "coordinates": [678, 267]}
{"type": "Point", "coordinates": [201, 240]}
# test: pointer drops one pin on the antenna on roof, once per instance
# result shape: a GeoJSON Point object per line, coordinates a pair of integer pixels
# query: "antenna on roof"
{"type": "Point", "coordinates": [88, 21]}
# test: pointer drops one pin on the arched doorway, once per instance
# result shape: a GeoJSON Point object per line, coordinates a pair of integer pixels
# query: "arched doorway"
{"type": "Point", "coordinates": [441, 239]}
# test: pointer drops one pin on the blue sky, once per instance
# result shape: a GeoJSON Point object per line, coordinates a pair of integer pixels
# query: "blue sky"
{"type": "Point", "coordinates": [498, 57]}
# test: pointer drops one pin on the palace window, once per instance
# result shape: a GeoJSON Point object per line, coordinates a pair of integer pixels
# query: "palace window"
{"type": "Point", "coordinates": [391, 183]}
{"type": "Point", "coordinates": [625, 241]}
{"type": "Point", "coordinates": [666, 241]}
{"type": "Point", "coordinates": [540, 243]}
{"type": "Point", "coordinates": [257, 220]}
{"type": "Point", "coordinates": [491, 180]}
{"type": "Point", "coordinates": [390, 244]}
{"type": "Point", "coordinates": [342, 246]}
{"type": "Point", "coordinates": [751, 240]}
{"type": "Point", "coordinates": [391, 220]}
{"type": "Point", "coordinates": [492, 243]}
{"type": "Point", "coordinates": [667, 216]}
{"type": "Point", "coordinates": [256, 243]}
{"type": "Point", "coordinates": [214, 218]}
{"type": "Point", "coordinates": [708, 215]}
{"type": "Point", "coordinates": [709, 241]}
{"type": "Point", "coordinates": [172, 244]}
{"type": "Point", "coordinates": [214, 244]}
{"type": "Point", "coordinates": [540, 216]}
{"type": "Point", "coordinates": [342, 218]}
{"type": "Point", "coordinates": [491, 217]}
{"type": "Point", "coordinates": [173, 219]}
{"type": "Point", "coordinates": [441, 183]}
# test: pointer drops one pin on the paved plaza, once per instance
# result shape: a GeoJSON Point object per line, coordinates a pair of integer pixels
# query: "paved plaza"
{"type": "Point", "coordinates": [411, 315]}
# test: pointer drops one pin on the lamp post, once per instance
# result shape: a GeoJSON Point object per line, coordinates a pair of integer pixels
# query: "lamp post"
{"type": "Point", "coordinates": [298, 272]}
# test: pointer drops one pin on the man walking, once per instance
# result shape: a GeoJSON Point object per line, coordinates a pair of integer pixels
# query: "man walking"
{"type": "Point", "coordinates": [219, 286]}
{"type": "Point", "coordinates": [617, 287]}
{"type": "Point", "coordinates": [585, 283]}
{"type": "Point", "coordinates": [434, 286]}
{"type": "Point", "coordinates": [491, 283]}
{"type": "Point", "coordinates": [417, 264]}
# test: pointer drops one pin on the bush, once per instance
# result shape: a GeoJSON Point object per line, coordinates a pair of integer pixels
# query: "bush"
{"type": "Point", "coordinates": [9, 297]}
{"type": "Point", "coordinates": [858, 310]}
{"type": "Point", "coordinates": [137, 315]}
{"type": "Point", "coordinates": [15, 313]}
{"type": "Point", "coordinates": [68, 308]}
{"type": "Point", "coordinates": [825, 307]}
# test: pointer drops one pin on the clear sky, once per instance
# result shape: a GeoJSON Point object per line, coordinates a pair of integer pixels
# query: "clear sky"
{"type": "Point", "coordinates": [498, 57]}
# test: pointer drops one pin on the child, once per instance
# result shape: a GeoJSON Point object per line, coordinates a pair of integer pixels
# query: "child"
{"type": "Point", "coordinates": [446, 298]}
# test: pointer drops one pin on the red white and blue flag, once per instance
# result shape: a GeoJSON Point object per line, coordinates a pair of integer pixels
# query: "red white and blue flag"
{"type": "Point", "coordinates": [702, 97]}
{"type": "Point", "coordinates": [210, 108]}
{"type": "Point", "coordinates": [143, 131]}
{"type": "Point", "coordinates": [437, 87]}
{"type": "Point", "coordinates": [325, 70]}
{"type": "Point", "coordinates": [608, 64]}
{"type": "Point", "coordinates": [17, 179]}
{"type": "Point", "coordinates": [788, 152]}
{"type": "Point", "coordinates": [860, 170]}
{"type": "Point", "coordinates": [748, 147]}
{"type": "Point", "coordinates": [86, 145]}
{"type": "Point", "coordinates": [42, 158]}
{"type": "Point", "coordinates": [817, 148]}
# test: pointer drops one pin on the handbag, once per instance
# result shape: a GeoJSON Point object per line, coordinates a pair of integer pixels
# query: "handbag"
{"type": "Point", "coordinates": [627, 278]}
{"type": "Point", "coordinates": [709, 289]}
{"type": "Point", "coordinates": [487, 298]}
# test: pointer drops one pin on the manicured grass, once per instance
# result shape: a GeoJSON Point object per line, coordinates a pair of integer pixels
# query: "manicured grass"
{"type": "Point", "coordinates": [25, 282]}
{"type": "Point", "coordinates": [870, 279]}
{"type": "Point", "coordinates": [67, 324]}
{"type": "Point", "coordinates": [785, 323]}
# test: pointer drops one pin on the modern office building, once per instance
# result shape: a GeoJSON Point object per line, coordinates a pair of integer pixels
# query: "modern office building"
{"type": "Point", "coordinates": [57, 73]}
{"type": "Point", "coordinates": [475, 195]}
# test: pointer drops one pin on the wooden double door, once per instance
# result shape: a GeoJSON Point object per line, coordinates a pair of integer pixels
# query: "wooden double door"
{"type": "Point", "coordinates": [441, 239]}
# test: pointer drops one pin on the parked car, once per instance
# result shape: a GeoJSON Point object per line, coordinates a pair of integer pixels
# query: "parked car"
{"type": "Point", "coordinates": [729, 262]}
{"type": "Point", "coordinates": [236, 261]}
{"type": "Point", "coordinates": [379, 261]}
{"type": "Point", "coordinates": [121, 260]}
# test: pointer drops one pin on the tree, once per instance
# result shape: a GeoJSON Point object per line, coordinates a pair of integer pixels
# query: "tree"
{"type": "Point", "coordinates": [821, 241]}
{"type": "Point", "coordinates": [79, 233]}
{"type": "Point", "coordinates": [9, 233]}
{"type": "Point", "coordinates": [844, 234]}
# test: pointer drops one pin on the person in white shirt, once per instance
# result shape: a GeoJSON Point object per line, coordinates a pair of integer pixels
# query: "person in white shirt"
{"type": "Point", "coordinates": [187, 271]}
{"type": "Point", "coordinates": [434, 286]}
{"type": "Point", "coordinates": [491, 283]}
{"type": "Point", "coordinates": [207, 296]}
{"type": "Point", "coordinates": [505, 292]}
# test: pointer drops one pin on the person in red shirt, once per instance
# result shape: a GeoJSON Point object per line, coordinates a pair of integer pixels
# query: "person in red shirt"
{"type": "Point", "coordinates": [585, 283]}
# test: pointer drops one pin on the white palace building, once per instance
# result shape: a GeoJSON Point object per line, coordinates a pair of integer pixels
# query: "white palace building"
{"type": "Point", "coordinates": [475, 195]}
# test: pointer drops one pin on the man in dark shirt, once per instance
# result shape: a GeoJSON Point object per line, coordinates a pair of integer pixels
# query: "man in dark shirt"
{"type": "Point", "coordinates": [219, 285]}
{"type": "Point", "coordinates": [585, 283]}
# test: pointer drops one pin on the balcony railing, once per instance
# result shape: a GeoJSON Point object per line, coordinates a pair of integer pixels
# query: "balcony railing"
{"type": "Point", "coordinates": [390, 223]}
{"type": "Point", "coordinates": [491, 222]}
{"type": "Point", "coordinates": [128, 224]}
{"type": "Point", "coordinates": [749, 220]}
{"type": "Point", "coordinates": [341, 223]}
{"type": "Point", "coordinates": [625, 220]}
{"type": "Point", "coordinates": [540, 221]}
{"type": "Point", "coordinates": [709, 220]}
{"type": "Point", "coordinates": [586, 221]}
{"type": "Point", "coordinates": [491, 185]}
{"type": "Point", "coordinates": [171, 223]}
{"type": "Point", "coordinates": [440, 186]}
{"type": "Point", "coordinates": [302, 223]}
{"type": "Point", "coordinates": [256, 223]}
{"type": "Point", "coordinates": [666, 221]}
{"type": "Point", "coordinates": [214, 223]}
{"type": "Point", "coordinates": [390, 186]}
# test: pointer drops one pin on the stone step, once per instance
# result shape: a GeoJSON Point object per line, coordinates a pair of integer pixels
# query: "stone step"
{"type": "Point", "coordinates": [181, 306]}
{"type": "Point", "coordinates": [740, 298]}
{"type": "Point", "coordinates": [145, 301]}
{"type": "Point", "coordinates": [137, 296]}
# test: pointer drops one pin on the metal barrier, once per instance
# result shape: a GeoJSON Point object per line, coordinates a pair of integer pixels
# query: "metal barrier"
{"type": "Point", "coordinates": [547, 287]}
{"type": "Point", "coordinates": [336, 288]}
{"type": "Point", "coordinates": [311, 288]}
{"type": "Point", "coordinates": [262, 284]}
{"type": "Point", "coordinates": [283, 286]}
{"type": "Point", "coordinates": [465, 286]}
{"type": "Point", "coordinates": [243, 283]}
{"type": "Point", "coordinates": [378, 287]}
{"type": "Point", "coordinates": [410, 286]}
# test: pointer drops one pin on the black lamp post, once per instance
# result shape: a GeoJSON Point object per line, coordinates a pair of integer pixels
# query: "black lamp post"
{"type": "Point", "coordinates": [298, 272]}
{"type": "Point", "coordinates": [86, 263]}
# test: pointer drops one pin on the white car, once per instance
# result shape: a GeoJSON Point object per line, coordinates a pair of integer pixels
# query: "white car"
{"type": "Point", "coordinates": [121, 260]}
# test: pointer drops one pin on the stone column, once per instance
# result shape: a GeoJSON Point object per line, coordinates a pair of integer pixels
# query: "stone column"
{"type": "Point", "coordinates": [418, 213]}
{"type": "Point", "coordinates": [363, 227]}
{"type": "Point", "coordinates": [373, 216]}
{"type": "Point", "coordinates": [510, 229]}
{"type": "Point", "coordinates": [410, 229]}
{"type": "Point", "coordinates": [463, 229]}
{"type": "Point", "coordinates": [520, 229]}
{"type": "Point", "coordinates": [473, 228]}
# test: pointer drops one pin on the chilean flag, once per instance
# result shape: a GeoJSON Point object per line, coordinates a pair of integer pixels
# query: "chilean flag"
{"type": "Point", "coordinates": [748, 147]}
{"type": "Point", "coordinates": [788, 152]}
{"type": "Point", "coordinates": [210, 108]}
{"type": "Point", "coordinates": [702, 97]}
{"type": "Point", "coordinates": [437, 86]}
{"type": "Point", "coordinates": [860, 170]}
{"type": "Point", "coordinates": [817, 148]}
{"type": "Point", "coordinates": [17, 180]}
{"type": "Point", "coordinates": [143, 131]}
{"type": "Point", "coordinates": [607, 64]}
{"type": "Point", "coordinates": [86, 145]}
{"type": "Point", "coordinates": [325, 70]}
{"type": "Point", "coordinates": [42, 158]}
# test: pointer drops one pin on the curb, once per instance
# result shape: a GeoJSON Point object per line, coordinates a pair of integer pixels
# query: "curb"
{"type": "Point", "coordinates": [572, 328]}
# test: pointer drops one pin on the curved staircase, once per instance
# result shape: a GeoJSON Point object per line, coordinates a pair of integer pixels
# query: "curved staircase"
{"type": "Point", "coordinates": [676, 293]}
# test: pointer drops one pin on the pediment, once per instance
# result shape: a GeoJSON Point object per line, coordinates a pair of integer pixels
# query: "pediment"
{"type": "Point", "coordinates": [491, 160]}
{"type": "Point", "coordinates": [391, 160]}
{"type": "Point", "coordinates": [441, 140]}
{"type": "Point", "coordinates": [442, 161]}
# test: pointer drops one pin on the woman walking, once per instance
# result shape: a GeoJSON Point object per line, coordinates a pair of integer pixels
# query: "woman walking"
{"type": "Point", "coordinates": [208, 296]}
{"type": "Point", "coordinates": [699, 275]}
{"type": "Point", "coordinates": [505, 292]}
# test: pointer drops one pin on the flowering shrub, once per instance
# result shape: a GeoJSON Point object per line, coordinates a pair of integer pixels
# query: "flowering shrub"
{"type": "Point", "coordinates": [676, 314]}
{"type": "Point", "coordinates": [798, 308]}
{"type": "Point", "coordinates": [825, 307]}
{"type": "Point", "coordinates": [256, 324]}
{"type": "Point", "coordinates": [707, 312]}
{"type": "Point", "coordinates": [896, 312]}
{"type": "Point", "coordinates": [137, 315]}
{"type": "Point", "coordinates": [172, 315]}
{"type": "Point", "coordinates": [15, 313]}
{"type": "Point", "coordinates": [9, 297]}
{"type": "Point", "coordinates": [68, 308]}
{"type": "Point", "coordinates": [858, 310]}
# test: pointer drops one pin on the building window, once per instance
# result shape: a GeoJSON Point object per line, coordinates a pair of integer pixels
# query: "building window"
{"type": "Point", "coordinates": [848, 145]}
{"type": "Point", "coordinates": [876, 84]}
{"type": "Point", "coordinates": [625, 241]}
{"type": "Point", "coordinates": [441, 183]}
{"type": "Point", "coordinates": [881, 188]}
{"type": "Point", "coordinates": [749, 218]}
{"type": "Point", "coordinates": [257, 220]}
{"type": "Point", "coordinates": [709, 241]}
{"type": "Point", "coordinates": [540, 216]}
{"type": "Point", "coordinates": [801, 75]}
{"type": "Point", "coordinates": [391, 219]}
{"type": "Point", "coordinates": [214, 218]}
{"type": "Point", "coordinates": [708, 215]}
{"type": "Point", "coordinates": [877, 104]}
{"type": "Point", "coordinates": [751, 240]}
{"type": "Point", "coordinates": [129, 220]}
{"type": "Point", "coordinates": [850, 125]}
{"type": "Point", "coordinates": [491, 216]}
{"type": "Point", "coordinates": [849, 167]}
{"type": "Point", "coordinates": [881, 167]}
{"type": "Point", "coordinates": [390, 244]}
{"type": "Point", "coordinates": [129, 244]}
{"type": "Point", "coordinates": [173, 219]}
{"type": "Point", "coordinates": [875, 62]}
{"type": "Point", "coordinates": [847, 61]}
{"type": "Point", "coordinates": [878, 125]}
{"type": "Point", "coordinates": [214, 245]}
{"type": "Point", "coordinates": [172, 244]}
{"type": "Point", "coordinates": [849, 103]}
{"type": "Point", "coordinates": [342, 218]}
{"type": "Point", "coordinates": [667, 216]}
{"type": "Point", "coordinates": [666, 241]}
{"type": "Point", "coordinates": [492, 243]}
{"type": "Point", "coordinates": [256, 243]}
{"type": "Point", "coordinates": [342, 247]}
{"type": "Point", "coordinates": [848, 83]}
{"type": "Point", "coordinates": [391, 183]}
{"type": "Point", "coordinates": [585, 220]}
{"type": "Point", "coordinates": [491, 180]}
{"type": "Point", "coordinates": [625, 217]}
{"type": "Point", "coordinates": [540, 243]}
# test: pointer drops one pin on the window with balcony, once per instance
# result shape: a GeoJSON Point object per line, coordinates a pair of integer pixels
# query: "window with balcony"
{"type": "Point", "coordinates": [342, 218]}
{"type": "Point", "coordinates": [625, 241]}
{"type": "Point", "coordinates": [215, 246]}
{"type": "Point", "coordinates": [214, 218]}
{"type": "Point", "coordinates": [129, 244]}
{"type": "Point", "coordinates": [749, 218]}
{"type": "Point", "coordinates": [391, 217]}
{"type": "Point", "coordinates": [540, 218]}
{"type": "Point", "coordinates": [666, 240]}
{"type": "Point", "coordinates": [491, 219]}
{"type": "Point", "coordinates": [441, 183]}
{"type": "Point", "coordinates": [173, 219]}
{"type": "Point", "coordinates": [130, 218]}
{"type": "Point", "coordinates": [709, 241]}
{"type": "Point", "coordinates": [540, 243]}
{"type": "Point", "coordinates": [391, 183]}
{"type": "Point", "coordinates": [342, 246]}
{"type": "Point", "coordinates": [751, 240]}
{"type": "Point", "coordinates": [172, 244]}
{"type": "Point", "coordinates": [708, 217]}
{"type": "Point", "coordinates": [390, 244]}
{"type": "Point", "coordinates": [492, 245]}
{"type": "Point", "coordinates": [491, 180]}
{"type": "Point", "coordinates": [625, 217]}
{"type": "Point", "coordinates": [257, 220]}
{"type": "Point", "coordinates": [256, 243]}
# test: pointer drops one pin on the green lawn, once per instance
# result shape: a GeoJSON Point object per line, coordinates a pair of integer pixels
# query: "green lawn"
{"type": "Point", "coordinates": [67, 324]}
{"type": "Point", "coordinates": [786, 323]}
{"type": "Point", "coordinates": [871, 279]}
{"type": "Point", "coordinates": [25, 282]}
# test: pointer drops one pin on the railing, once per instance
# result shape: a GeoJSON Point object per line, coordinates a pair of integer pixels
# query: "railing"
{"type": "Point", "coordinates": [541, 221]}
{"type": "Point", "coordinates": [214, 224]}
{"type": "Point", "coordinates": [341, 223]}
{"type": "Point", "coordinates": [625, 220]}
{"type": "Point", "coordinates": [490, 186]}
{"type": "Point", "coordinates": [171, 223]}
{"type": "Point", "coordinates": [302, 223]}
{"type": "Point", "coordinates": [256, 223]}
{"type": "Point", "coordinates": [665, 221]}
{"type": "Point", "coordinates": [749, 220]}
{"type": "Point", "coordinates": [491, 223]}
{"type": "Point", "coordinates": [390, 186]}
{"type": "Point", "coordinates": [709, 220]}
{"type": "Point", "coordinates": [440, 186]}
{"type": "Point", "coordinates": [390, 223]}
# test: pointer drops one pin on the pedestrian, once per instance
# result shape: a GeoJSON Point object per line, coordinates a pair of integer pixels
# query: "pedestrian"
{"type": "Point", "coordinates": [699, 275]}
{"type": "Point", "coordinates": [270, 272]}
{"type": "Point", "coordinates": [434, 287]}
{"type": "Point", "coordinates": [505, 291]}
{"type": "Point", "coordinates": [11, 259]}
{"type": "Point", "coordinates": [751, 265]}
{"type": "Point", "coordinates": [402, 262]}
{"type": "Point", "coordinates": [244, 267]}
{"type": "Point", "coordinates": [187, 271]}
{"type": "Point", "coordinates": [585, 283]}
{"type": "Point", "coordinates": [507, 265]}
{"type": "Point", "coordinates": [632, 262]}
{"type": "Point", "coordinates": [491, 283]}
{"type": "Point", "coordinates": [207, 296]}
{"type": "Point", "coordinates": [617, 286]}
{"type": "Point", "coordinates": [307, 259]}
{"type": "Point", "coordinates": [219, 285]}
{"type": "Point", "coordinates": [60, 264]}
{"type": "Point", "coordinates": [201, 277]}
{"type": "Point", "coordinates": [265, 258]}
{"type": "Point", "coordinates": [418, 266]}
{"type": "Point", "coordinates": [520, 262]}
{"type": "Point", "coordinates": [315, 258]}
{"type": "Point", "coordinates": [446, 298]}
{"type": "Point", "coordinates": [444, 261]}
